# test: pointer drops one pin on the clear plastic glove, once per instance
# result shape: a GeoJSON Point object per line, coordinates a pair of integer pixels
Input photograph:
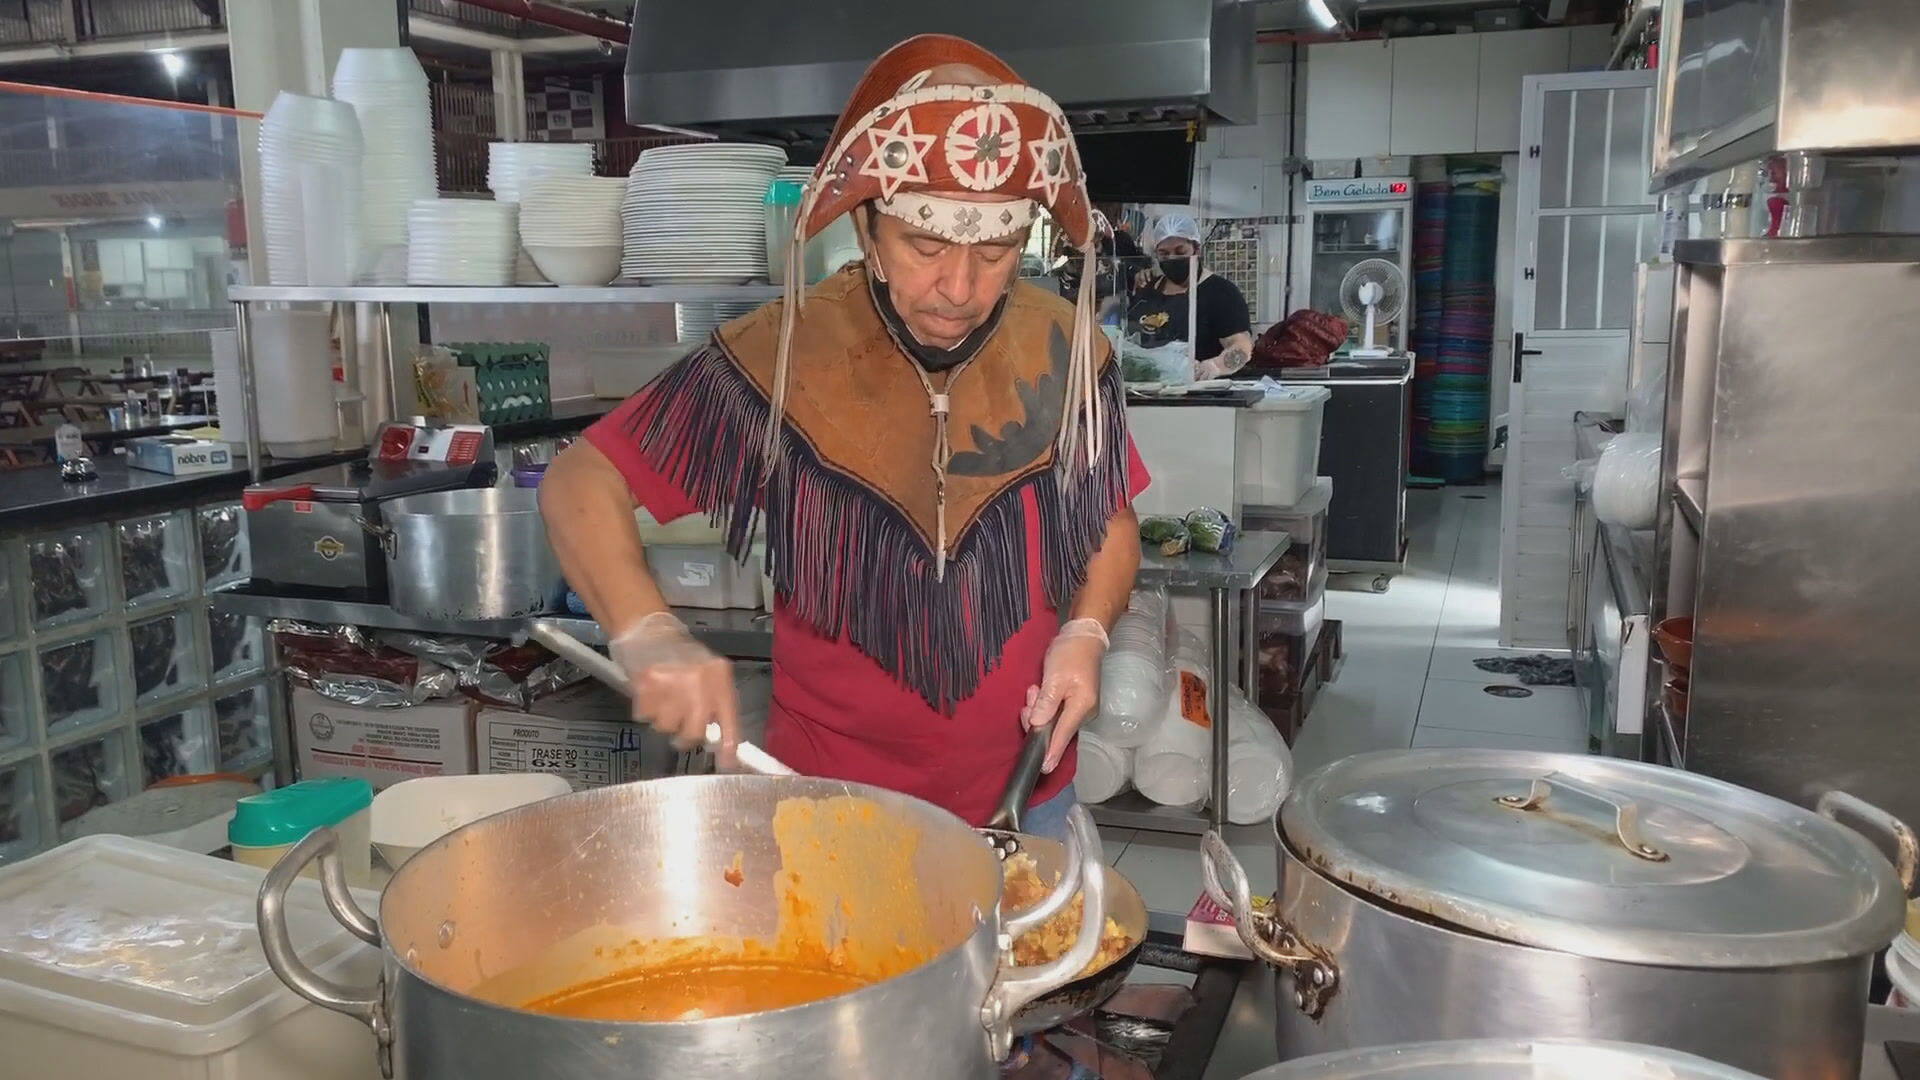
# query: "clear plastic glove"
{"type": "Point", "coordinates": [1069, 687]}
{"type": "Point", "coordinates": [679, 685]}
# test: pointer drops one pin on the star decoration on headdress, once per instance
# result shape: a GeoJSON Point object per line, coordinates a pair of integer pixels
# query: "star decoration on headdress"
{"type": "Point", "coordinates": [1051, 154]}
{"type": "Point", "coordinates": [896, 154]}
{"type": "Point", "coordinates": [983, 146]}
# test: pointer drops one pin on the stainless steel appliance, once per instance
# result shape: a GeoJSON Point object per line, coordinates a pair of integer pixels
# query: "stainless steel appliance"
{"type": "Point", "coordinates": [1449, 894]}
{"type": "Point", "coordinates": [1107, 62]}
{"type": "Point", "coordinates": [1363, 446]}
{"type": "Point", "coordinates": [1787, 522]}
{"type": "Point", "coordinates": [1607, 603]}
{"type": "Point", "coordinates": [514, 906]}
{"type": "Point", "coordinates": [1743, 80]}
{"type": "Point", "coordinates": [317, 530]}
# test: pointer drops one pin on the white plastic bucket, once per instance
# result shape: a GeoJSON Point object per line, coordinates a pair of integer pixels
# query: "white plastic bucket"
{"type": "Point", "coordinates": [1277, 445]}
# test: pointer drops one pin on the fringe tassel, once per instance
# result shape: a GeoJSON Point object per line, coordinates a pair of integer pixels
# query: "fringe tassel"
{"type": "Point", "coordinates": [1078, 497]}
{"type": "Point", "coordinates": [842, 559]}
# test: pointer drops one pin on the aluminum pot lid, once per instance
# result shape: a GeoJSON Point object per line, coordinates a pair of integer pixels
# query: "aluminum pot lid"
{"type": "Point", "coordinates": [1499, 1059]}
{"type": "Point", "coordinates": [1597, 857]}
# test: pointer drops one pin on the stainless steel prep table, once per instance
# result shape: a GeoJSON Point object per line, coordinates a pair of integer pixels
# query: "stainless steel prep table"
{"type": "Point", "coordinates": [1220, 577]}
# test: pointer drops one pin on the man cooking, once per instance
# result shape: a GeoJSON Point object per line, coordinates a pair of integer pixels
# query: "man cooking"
{"type": "Point", "coordinates": [938, 456]}
{"type": "Point", "coordinates": [1223, 337]}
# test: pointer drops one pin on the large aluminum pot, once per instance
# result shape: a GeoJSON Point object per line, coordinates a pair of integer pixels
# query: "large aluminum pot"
{"type": "Point", "coordinates": [474, 553]}
{"type": "Point", "coordinates": [1496, 1059]}
{"type": "Point", "coordinates": [544, 897]}
{"type": "Point", "coordinates": [1458, 894]}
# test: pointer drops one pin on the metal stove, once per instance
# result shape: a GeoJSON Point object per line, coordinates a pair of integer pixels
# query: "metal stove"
{"type": "Point", "coordinates": [308, 532]}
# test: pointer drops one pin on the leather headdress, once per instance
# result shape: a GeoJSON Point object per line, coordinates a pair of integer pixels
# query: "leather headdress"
{"type": "Point", "coordinates": [903, 135]}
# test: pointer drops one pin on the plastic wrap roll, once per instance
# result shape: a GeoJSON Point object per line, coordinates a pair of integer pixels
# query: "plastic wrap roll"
{"type": "Point", "coordinates": [1259, 765]}
{"type": "Point", "coordinates": [1626, 482]}
{"type": "Point", "coordinates": [1103, 770]}
{"type": "Point", "coordinates": [1174, 767]}
{"type": "Point", "coordinates": [1133, 677]}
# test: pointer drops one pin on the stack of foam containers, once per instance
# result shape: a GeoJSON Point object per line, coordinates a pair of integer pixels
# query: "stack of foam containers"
{"type": "Point", "coordinates": [1174, 766]}
{"type": "Point", "coordinates": [1133, 697]}
{"type": "Point", "coordinates": [1259, 765]}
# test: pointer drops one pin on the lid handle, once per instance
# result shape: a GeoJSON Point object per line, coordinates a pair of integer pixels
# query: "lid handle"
{"type": "Point", "coordinates": [1626, 812]}
{"type": "Point", "coordinates": [1906, 846]}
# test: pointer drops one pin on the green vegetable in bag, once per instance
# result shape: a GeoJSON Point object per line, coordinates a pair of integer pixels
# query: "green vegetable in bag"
{"type": "Point", "coordinates": [1210, 530]}
{"type": "Point", "coordinates": [1167, 534]}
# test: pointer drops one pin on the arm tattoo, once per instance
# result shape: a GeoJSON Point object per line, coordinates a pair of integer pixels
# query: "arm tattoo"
{"type": "Point", "coordinates": [1232, 360]}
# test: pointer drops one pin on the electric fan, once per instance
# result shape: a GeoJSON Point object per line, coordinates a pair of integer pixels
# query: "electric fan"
{"type": "Point", "coordinates": [1374, 290]}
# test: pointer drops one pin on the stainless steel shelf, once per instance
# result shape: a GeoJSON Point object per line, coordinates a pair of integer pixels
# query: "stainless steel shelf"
{"type": "Point", "coordinates": [1132, 810]}
{"type": "Point", "coordinates": [742, 635]}
{"type": "Point", "coordinates": [1689, 499]}
{"type": "Point", "coordinates": [1676, 755]}
{"type": "Point", "coordinates": [1254, 553]}
{"type": "Point", "coordinates": [506, 294]}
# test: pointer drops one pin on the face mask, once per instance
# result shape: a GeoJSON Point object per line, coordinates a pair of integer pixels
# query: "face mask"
{"type": "Point", "coordinates": [1176, 270]}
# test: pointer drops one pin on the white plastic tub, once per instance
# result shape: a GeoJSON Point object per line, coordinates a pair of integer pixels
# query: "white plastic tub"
{"type": "Point", "coordinates": [121, 958]}
{"type": "Point", "coordinates": [1277, 445]}
{"type": "Point", "coordinates": [414, 813]}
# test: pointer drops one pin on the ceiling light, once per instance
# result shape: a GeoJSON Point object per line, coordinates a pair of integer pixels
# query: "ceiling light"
{"type": "Point", "coordinates": [153, 221]}
{"type": "Point", "coordinates": [1322, 14]}
{"type": "Point", "coordinates": [173, 64]}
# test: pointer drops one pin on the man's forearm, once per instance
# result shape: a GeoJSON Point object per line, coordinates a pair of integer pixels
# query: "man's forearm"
{"type": "Point", "coordinates": [589, 518]}
{"type": "Point", "coordinates": [1111, 571]}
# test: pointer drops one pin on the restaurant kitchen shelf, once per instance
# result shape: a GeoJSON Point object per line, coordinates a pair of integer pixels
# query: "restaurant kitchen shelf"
{"type": "Point", "coordinates": [1223, 578]}
{"type": "Point", "coordinates": [503, 294]}
{"type": "Point", "coordinates": [742, 635]}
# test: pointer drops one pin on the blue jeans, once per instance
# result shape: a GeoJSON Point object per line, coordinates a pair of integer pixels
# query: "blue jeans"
{"type": "Point", "coordinates": [1049, 818]}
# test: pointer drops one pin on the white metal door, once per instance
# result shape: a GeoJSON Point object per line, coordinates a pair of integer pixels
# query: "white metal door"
{"type": "Point", "coordinates": [1585, 221]}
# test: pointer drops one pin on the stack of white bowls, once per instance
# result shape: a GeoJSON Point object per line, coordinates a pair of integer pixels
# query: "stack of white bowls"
{"type": "Point", "coordinates": [570, 226]}
{"type": "Point", "coordinates": [511, 165]}
{"type": "Point", "coordinates": [694, 214]}
{"type": "Point", "coordinates": [693, 323]}
{"type": "Point", "coordinates": [388, 89]}
{"type": "Point", "coordinates": [310, 162]}
{"type": "Point", "coordinates": [462, 242]}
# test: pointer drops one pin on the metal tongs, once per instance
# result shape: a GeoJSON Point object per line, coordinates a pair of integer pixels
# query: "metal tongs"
{"type": "Point", "coordinates": [593, 662]}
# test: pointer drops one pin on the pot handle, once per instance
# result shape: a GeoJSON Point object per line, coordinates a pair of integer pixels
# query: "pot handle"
{"type": "Point", "coordinates": [389, 541]}
{"type": "Point", "coordinates": [1016, 987]}
{"type": "Point", "coordinates": [1906, 846]}
{"type": "Point", "coordinates": [1265, 934]}
{"type": "Point", "coordinates": [1626, 812]}
{"type": "Point", "coordinates": [366, 1006]}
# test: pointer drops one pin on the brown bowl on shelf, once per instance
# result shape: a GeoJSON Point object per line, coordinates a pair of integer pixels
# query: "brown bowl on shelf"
{"type": "Point", "coordinates": [1675, 638]}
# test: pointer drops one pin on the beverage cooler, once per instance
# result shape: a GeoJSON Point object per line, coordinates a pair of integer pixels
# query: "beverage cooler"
{"type": "Point", "coordinates": [1352, 220]}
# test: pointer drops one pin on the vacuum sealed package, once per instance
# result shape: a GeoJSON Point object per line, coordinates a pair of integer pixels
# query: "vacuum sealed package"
{"type": "Point", "coordinates": [1210, 530]}
{"type": "Point", "coordinates": [1167, 535]}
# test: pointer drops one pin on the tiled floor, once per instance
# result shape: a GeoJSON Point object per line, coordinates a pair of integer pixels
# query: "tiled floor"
{"type": "Point", "coordinates": [1408, 680]}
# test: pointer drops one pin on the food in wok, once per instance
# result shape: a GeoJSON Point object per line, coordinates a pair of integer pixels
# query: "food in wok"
{"type": "Point", "coordinates": [1046, 942]}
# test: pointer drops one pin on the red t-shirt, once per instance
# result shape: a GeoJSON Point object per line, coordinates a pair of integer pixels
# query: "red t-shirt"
{"type": "Point", "coordinates": [836, 714]}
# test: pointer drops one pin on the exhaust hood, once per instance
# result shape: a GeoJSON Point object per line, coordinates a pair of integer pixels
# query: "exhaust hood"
{"type": "Point", "coordinates": [783, 70]}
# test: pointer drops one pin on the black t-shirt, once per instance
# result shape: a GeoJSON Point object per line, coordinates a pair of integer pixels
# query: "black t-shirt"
{"type": "Point", "coordinates": [1218, 305]}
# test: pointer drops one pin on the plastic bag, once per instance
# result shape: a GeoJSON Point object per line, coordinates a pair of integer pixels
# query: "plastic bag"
{"type": "Point", "coordinates": [1210, 530]}
{"type": "Point", "coordinates": [1626, 481]}
{"type": "Point", "coordinates": [1133, 677]}
{"type": "Point", "coordinates": [1167, 535]}
{"type": "Point", "coordinates": [1168, 365]}
{"type": "Point", "coordinates": [1259, 765]}
{"type": "Point", "coordinates": [1647, 398]}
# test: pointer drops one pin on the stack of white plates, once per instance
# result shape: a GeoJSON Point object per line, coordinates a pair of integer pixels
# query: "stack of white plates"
{"type": "Point", "coordinates": [461, 242]}
{"type": "Point", "coordinates": [388, 89]}
{"type": "Point", "coordinates": [570, 225]}
{"type": "Point", "coordinates": [694, 215]}
{"type": "Point", "coordinates": [694, 323]}
{"type": "Point", "coordinates": [310, 161]}
{"type": "Point", "coordinates": [510, 165]}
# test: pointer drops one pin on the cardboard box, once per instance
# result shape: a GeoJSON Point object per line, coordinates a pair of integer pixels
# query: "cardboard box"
{"type": "Point", "coordinates": [381, 746]}
{"type": "Point", "coordinates": [1210, 930]}
{"type": "Point", "coordinates": [583, 732]}
{"type": "Point", "coordinates": [178, 455]}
